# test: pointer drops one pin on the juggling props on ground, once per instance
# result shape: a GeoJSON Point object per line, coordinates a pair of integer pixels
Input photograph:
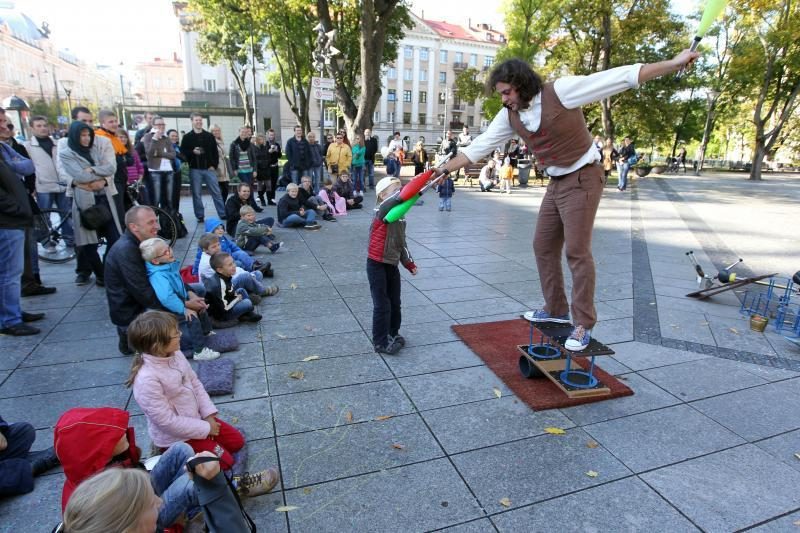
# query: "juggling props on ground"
{"type": "Point", "coordinates": [405, 198]}
{"type": "Point", "coordinates": [713, 9]}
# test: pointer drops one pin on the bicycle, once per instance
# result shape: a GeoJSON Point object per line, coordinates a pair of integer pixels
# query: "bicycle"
{"type": "Point", "coordinates": [49, 223]}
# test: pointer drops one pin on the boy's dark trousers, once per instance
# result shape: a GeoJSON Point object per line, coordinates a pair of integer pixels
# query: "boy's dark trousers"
{"type": "Point", "coordinates": [16, 475]}
{"type": "Point", "coordinates": [384, 284]}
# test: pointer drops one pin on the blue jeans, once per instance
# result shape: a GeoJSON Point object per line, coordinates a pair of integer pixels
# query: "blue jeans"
{"type": "Point", "coordinates": [46, 200]}
{"type": "Point", "coordinates": [240, 308]}
{"type": "Point", "coordinates": [245, 177]}
{"type": "Point", "coordinates": [623, 169]}
{"type": "Point", "coordinates": [369, 172]}
{"type": "Point", "coordinates": [251, 282]}
{"type": "Point", "coordinates": [172, 484]}
{"type": "Point", "coordinates": [243, 260]}
{"type": "Point", "coordinates": [296, 175]}
{"type": "Point", "coordinates": [193, 334]}
{"type": "Point", "coordinates": [358, 178]}
{"type": "Point", "coordinates": [445, 203]}
{"type": "Point", "coordinates": [196, 178]}
{"type": "Point", "coordinates": [161, 184]}
{"type": "Point", "coordinates": [316, 177]}
{"type": "Point", "coordinates": [295, 220]}
{"type": "Point", "coordinates": [12, 257]}
{"type": "Point", "coordinates": [252, 243]}
{"type": "Point", "coordinates": [16, 476]}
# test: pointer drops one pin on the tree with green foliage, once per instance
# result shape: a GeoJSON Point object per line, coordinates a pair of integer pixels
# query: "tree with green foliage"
{"type": "Point", "coordinates": [466, 85]}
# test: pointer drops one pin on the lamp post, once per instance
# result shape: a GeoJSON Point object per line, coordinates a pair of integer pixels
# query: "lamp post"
{"type": "Point", "coordinates": [67, 85]}
{"type": "Point", "coordinates": [322, 55]}
{"type": "Point", "coordinates": [122, 97]}
{"type": "Point", "coordinates": [255, 88]}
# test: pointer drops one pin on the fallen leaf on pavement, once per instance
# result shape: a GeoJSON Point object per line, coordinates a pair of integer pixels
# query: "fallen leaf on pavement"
{"type": "Point", "coordinates": [554, 431]}
{"type": "Point", "coordinates": [348, 416]}
{"type": "Point", "coordinates": [310, 358]}
{"type": "Point", "coordinates": [383, 417]}
{"type": "Point", "coordinates": [293, 286]}
{"type": "Point", "coordinates": [498, 393]}
{"type": "Point", "coordinates": [734, 331]}
{"type": "Point", "coordinates": [592, 473]}
{"type": "Point", "coordinates": [592, 444]}
{"type": "Point", "coordinates": [505, 502]}
{"type": "Point", "coordinates": [297, 374]}
{"type": "Point", "coordinates": [280, 336]}
{"type": "Point", "coordinates": [285, 508]}
{"type": "Point", "coordinates": [397, 446]}
{"type": "Point", "coordinates": [797, 455]}
{"type": "Point", "coordinates": [234, 419]}
{"type": "Point", "coordinates": [307, 490]}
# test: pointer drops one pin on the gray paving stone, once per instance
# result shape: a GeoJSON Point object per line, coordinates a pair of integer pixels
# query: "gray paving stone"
{"type": "Point", "coordinates": [650, 440]}
{"type": "Point", "coordinates": [736, 334]}
{"type": "Point", "coordinates": [302, 294]}
{"type": "Point", "coordinates": [781, 525]}
{"type": "Point", "coordinates": [476, 292]}
{"type": "Point", "coordinates": [355, 449]}
{"type": "Point", "coordinates": [640, 356]}
{"type": "Point", "coordinates": [18, 513]}
{"type": "Point", "coordinates": [729, 490]}
{"type": "Point", "coordinates": [685, 325]}
{"type": "Point", "coordinates": [452, 387]}
{"type": "Point", "coordinates": [68, 376]}
{"type": "Point", "coordinates": [325, 373]}
{"type": "Point", "coordinates": [292, 328]}
{"type": "Point", "coordinates": [489, 306]}
{"type": "Point", "coordinates": [476, 425]}
{"type": "Point", "coordinates": [426, 334]}
{"type": "Point", "coordinates": [12, 356]}
{"type": "Point", "coordinates": [612, 366]}
{"type": "Point", "coordinates": [308, 411]}
{"type": "Point", "coordinates": [86, 313]}
{"type": "Point", "coordinates": [416, 315]}
{"type": "Point", "coordinates": [43, 410]}
{"type": "Point", "coordinates": [536, 469]}
{"type": "Point", "coordinates": [248, 355]}
{"type": "Point", "coordinates": [262, 454]}
{"type": "Point", "coordinates": [484, 525]}
{"type": "Point", "coordinates": [783, 447]}
{"type": "Point", "coordinates": [452, 282]}
{"type": "Point", "coordinates": [304, 309]}
{"type": "Point", "coordinates": [74, 332]}
{"type": "Point", "coordinates": [490, 318]}
{"type": "Point", "coordinates": [616, 330]}
{"type": "Point", "coordinates": [646, 397]}
{"type": "Point", "coordinates": [756, 413]}
{"type": "Point", "coordinates": [248, 383]}
{"type": "Point", "coordinates": [417, 497]}
{"type": "Point", "coordinates": [701, 379]}
{"type": "Point", "coordinates": [278, 351]}
{"type": "Point", "coordinates": [425, 359]}
{"type": "Point", "coordinates": [255, 416]}
{"type": "Point", "coordinates": [624, 505]}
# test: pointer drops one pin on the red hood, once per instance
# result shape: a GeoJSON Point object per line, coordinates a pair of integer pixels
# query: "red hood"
{"type": "Point", "coordinates": [84, 441]}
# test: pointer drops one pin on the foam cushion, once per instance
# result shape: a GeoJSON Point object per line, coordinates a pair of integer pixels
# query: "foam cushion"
{"type": "Point", "coordinates": [216, 376]}
{"type": "Point", "coordinates": [223, 341]}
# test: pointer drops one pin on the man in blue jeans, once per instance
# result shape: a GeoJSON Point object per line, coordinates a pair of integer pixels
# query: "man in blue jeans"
{"type": "Point", "coordinates": [627, 157]}
{"type": "Point", "coordinates": [200, 149]}
{"type": "Point", "coordinates": [15, 217]}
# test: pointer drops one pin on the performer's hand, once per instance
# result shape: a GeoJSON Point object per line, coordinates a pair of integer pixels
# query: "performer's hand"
{"type": "Point", "coordinates": [685, 58]}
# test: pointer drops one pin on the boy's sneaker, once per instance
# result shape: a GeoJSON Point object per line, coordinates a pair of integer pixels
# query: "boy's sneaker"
{"type": "Point", "coordinates": [43, 460]}
{"type": "Point", "coordinates": [255, 298]}
{"type": "Point", "coordinates": [206, 354]}
{"type": "Point", "coordinates": [397, 339]}
{"type": "Point", "coordinates": [275, 246]}
{"type": "Point", "coordinates": [390, 349]}
{"type": "Point", "coordinates": [329, 217]}
{"type": "Point", "coordinates": [578, 340]}
{"type": "Point", "coordinates": [250, 316]}
{"type": "Point", "coordinates": [312, 225]}
{"type": "Point", "coordinates": [250, 485]}
{"type": "Point", "coordinates": [540, 315]}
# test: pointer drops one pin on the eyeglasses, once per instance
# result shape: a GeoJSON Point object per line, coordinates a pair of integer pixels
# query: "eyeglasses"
{"type": "Point", "coordinates": [168, 251]}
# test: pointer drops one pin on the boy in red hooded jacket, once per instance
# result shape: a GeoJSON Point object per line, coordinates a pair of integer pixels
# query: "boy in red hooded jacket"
{"type": "Point", "coordinates": [88, 440]}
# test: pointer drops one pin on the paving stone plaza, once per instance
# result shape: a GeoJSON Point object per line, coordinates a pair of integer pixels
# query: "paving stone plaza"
{"type": "Point", "coordinates": [420, 441]}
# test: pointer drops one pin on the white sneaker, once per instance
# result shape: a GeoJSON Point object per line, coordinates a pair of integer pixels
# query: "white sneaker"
{"type": "Point", "coordinates": [207, 354]}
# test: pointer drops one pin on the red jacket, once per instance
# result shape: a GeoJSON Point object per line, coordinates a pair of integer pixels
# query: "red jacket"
{"type": "Point", "coordinates": [84, 441]}
{"type": "Point", "coordinates": [387, 242]}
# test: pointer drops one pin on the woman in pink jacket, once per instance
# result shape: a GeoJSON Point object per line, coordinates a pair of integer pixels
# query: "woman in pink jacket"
{"type": "Point", "coordinates": [166, 388]}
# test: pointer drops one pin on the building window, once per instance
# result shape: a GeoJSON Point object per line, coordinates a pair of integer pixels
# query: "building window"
{"type": "Point", "coordinates": [157, 82]}
{"type": "Point", "coordinates": [408, 74]}
{"type": "Point", "coordinates": [484, 123]}
{"type": "Point", "coordinates": [473, 60]}
{"type": "Point", "coordinates": [391, 73]}
{"type": "Point", "coordinates": [406, 118]}
{"type": "Point", "coordinates": [440, 119]}
{"type": "Point", "coordinates": [376, 117]}
{"type": "Point", "coordinates": [488, 61]}
{"type": "Point", "coordinates": [390, 117]}
{"type": "Point", "coordinates": [392, 95]}
{"type": "Point", "coordinates": [263, 88]}
{"type": "Point", "coordinates": [210, 86]}
{"type": "Point", "coordinates": [408, 52]}
{"type": "Point", "coordinates": [459, 57]}
{"type": "Point", "coordinates": [423, 54]}
{"type": "Point", "coordinates": [423, 97]}
{"type": "Point", "coordinates": [443, 56]}
{"type": "Point", "coordinates": [442, 98]}
{"type": "Point", "coordinates": [407, 96]}
{"type": "Point", "coordinates": [423, 75]}
{"type": "Point", "coordinates": [443, 78]}
{"type": "Point", "coordinates": [470, 121]}
{"type": "Point", "coordinates": [423, 118]}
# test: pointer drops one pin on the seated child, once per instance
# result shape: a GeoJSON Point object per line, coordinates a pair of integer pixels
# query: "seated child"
{"type": "Point", "coordinates": [292, 213]}
{"type": "Point", "coordinates": [310, 199]}
{"type": "Point", "coordinates": [174, 402]}
{"type": "Point", "coordinates": [250, 234]}
{"type": "Point", "coordinates": [336, 204]}
{"type": "Point", "coordinates": [446, 188]}
{"type": "Point", "coordinates": [252, 282]}
{"type": "Point", "coordinates": [344, 188]}
{"type": "Point", "coordinates": [226, 302]}
{"type": "Point", "coordinates": [163, 272]}
{"type": "Point", "coordinates": [18, 464]}
{"type": "Point", "coordinates": [240, 257]}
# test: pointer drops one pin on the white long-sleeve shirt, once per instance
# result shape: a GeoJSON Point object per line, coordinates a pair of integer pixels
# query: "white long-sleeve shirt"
{"type": "Point", "coordinates": [573, 91]}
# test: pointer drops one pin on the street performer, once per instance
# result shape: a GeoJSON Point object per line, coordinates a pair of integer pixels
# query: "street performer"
{"type": "Point", "coordinates": [548, 118]}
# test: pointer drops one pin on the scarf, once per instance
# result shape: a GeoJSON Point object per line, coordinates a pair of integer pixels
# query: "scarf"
{"type": "Point", "coordinates": [244, 145]}
{"type": "Point", "coordinates": [74, 140]}
{"type": "Point", "coordinates": [46, 143]}
{"type": "Point", "coordinates": [119, 148]}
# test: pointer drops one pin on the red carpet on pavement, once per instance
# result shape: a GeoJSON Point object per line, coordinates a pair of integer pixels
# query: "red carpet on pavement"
{"type": "Point", "coordinates": [496, 343]}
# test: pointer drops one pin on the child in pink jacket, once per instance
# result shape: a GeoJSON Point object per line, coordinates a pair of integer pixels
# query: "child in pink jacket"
{"type": "Point", "coordinates": [166, 388]}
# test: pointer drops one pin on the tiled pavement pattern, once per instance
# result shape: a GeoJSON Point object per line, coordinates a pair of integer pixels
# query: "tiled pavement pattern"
{"type": "Point", "coordinates": [706, 442]}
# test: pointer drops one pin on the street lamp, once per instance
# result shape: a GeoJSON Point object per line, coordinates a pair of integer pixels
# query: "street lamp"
{"type": "Point", "coordinates": [68, 85]}
{"type": "Point", "coordinates": [322, 55]}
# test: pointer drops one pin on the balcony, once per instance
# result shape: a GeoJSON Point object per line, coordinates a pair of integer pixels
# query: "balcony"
{"type": "Point", "coordinates": [459, 66]}
{"type": "Point", "coordinates": [456, 125]}
{"type": "Point", "coordinates": [458, 107]}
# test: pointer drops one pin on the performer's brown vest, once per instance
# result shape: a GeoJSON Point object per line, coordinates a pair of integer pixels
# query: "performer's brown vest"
{"type": "Point", "coordinates": [562, 138]}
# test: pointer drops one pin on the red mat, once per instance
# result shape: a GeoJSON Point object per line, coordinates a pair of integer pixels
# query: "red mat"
{"type": "Point", "coordinates": [496, 343]}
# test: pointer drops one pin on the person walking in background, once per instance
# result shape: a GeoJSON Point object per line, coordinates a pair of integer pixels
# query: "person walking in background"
{"type": "Point", "coordinates": [200, 149]}
{"type": "Point", "coordinates": [627, 157]}
{"type": "Point", "coordinates": [357, 164]}
{"type": "Point", "coordinates": [370, 149]}
{"type": "Point", "coordinates": [610, 156]}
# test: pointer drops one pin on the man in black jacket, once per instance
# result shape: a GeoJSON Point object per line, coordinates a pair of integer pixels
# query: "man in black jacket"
{"type": "Point", "coordinates": [371, 148]}
{"type": "Point", "coordinates": [200, 149]}
{"type": "Point", "coordinates": [299, 154]}
{"type": "Point", "coordinates": [15, 217]}
{"type": "Point", "coordinates": [275, 154]}
{"type": "Point", "coordinates": [128, 289]}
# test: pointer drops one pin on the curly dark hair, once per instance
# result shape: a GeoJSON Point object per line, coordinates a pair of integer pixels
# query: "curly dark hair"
{"type": "Point", "coordinates": [519, 75]}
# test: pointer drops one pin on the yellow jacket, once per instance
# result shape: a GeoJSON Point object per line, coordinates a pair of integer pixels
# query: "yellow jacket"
{"type": "Point", "coordinates": [341, 155]}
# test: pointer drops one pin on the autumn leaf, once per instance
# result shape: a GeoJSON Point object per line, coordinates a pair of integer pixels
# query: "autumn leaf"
{"type": "Point", "coordinates": [285, 508]}
{"type": "Point", "coordinates": [397, 446]}
{"type": "Point", "coordinates": [592, 473]}
{"type": "Point", "coordinates": [280, 336]}
{"type": "Point", "coordinates": [796, 522]}
{"type": "Point", "coordinates": [293, 286]}
{"type": "Point", "coordinates": [383, 417]}
{"type": "Point", "coordinates": [234, 419]}
{"type": "Point", "coordinates": [505, 502]}
{"type": "Point", "coordinates": [310, 358]}
{"type": "Point", "coordinates": [297, 374]}
{"type": "Point", "coordinates": [307, 490]}
{"type": "Point", "coordinates": [348, 417]}
{"type": "Point", "coordinates": [554, 431]}
{"type": "Point", "coordinates": [498, 393]}
{"type": "Point", "coordinates": [592, 444]}
{"type": "Point", "coordinates": [734, 331]}
{"type": "Point", "coordinates": [797, 455]}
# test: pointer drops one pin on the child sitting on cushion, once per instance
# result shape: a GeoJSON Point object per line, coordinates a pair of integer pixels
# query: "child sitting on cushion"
{"type": "Point", "coordinates": [250, 234]}
{"type": "Point", "coordinates": [226, 244]}
{"type": "Point", "coordinates": [252, 282]}
{"type": "Point", "coordinates": [226, 302]}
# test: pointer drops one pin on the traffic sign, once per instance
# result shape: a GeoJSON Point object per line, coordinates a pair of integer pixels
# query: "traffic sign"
{"type": "Point", "coordinates": [322, 83]}
{"type": "Point", "coordinates": [323, 94]}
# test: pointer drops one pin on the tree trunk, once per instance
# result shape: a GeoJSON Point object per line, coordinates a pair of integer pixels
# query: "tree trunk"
{"type": "Point", "coordinates": [239, 76]}
{"type": "Point", "coordinates": [605, 105]}
{"type": "Point", "coordinates": [709, 127]}
{"type": "Point", "coordinates": [679, 129]}
{"type": "Point", "coordinates": [758, 158]}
